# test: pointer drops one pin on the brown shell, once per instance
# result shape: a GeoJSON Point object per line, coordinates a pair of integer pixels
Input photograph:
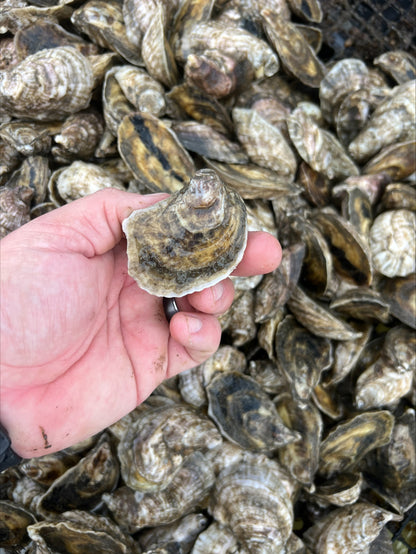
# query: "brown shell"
{"type": "Point", "coordinates": [153, 153]}
{"type": "Point", "coordinates": [293, 49]}
{"type": "Point", "coordinates": [68, 83]}
{"type": "Point", "coordinates": [204, 225]}
{"type": "Point", "coordinates": [245, 414]}
{"type": "Point", "coordinates": [351, 440]}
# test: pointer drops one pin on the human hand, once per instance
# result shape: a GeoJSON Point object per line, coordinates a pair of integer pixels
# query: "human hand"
{"type": "Point", "coordinates": [81, 343]}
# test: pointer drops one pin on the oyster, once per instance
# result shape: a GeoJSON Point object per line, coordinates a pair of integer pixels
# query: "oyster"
{"type": "Point", "coordinates": [245, 414]}
{"type": "Point", "coordinates": [393, 120]}
{"type": "Point", "coordinates": [77, 531]}
{"type": "Point", "coordinates": [348, 530]}
{"type": "Point", "coordinates": [156, 444]}
{"type": "Point", "coordinates": [67, 83]}
{"type": "Point", "coordinates": [79, 179]}
{"type": "Point", "coordinates": [189, 241]}
{"type": "Point", "coordinates": [188, 488]}
{"type": "Point", "coordinates": [14, 208]}
{"type": "Point", "coordinates": [82, 485]}
{"type": "Point", "coordinates": [351, 440]}
{"type": "Point", "coordinates": [13, 522]}
{"type": "Point", "coordinates": [153, 153]}
{"type": "Point", "coordinates": [392, 243]}
{"type": "Point", "coordinates": [254, 501]}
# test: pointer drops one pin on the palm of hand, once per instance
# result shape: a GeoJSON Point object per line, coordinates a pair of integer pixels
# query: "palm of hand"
{"type": "Point", "coordinates": [82, 344]}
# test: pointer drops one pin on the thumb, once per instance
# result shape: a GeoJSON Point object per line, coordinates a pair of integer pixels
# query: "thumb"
{"type": "Point", "coordinates": [92, 225]}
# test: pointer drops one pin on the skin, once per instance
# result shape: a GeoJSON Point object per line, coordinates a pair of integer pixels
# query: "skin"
{"type": "Point", "coordinates": [81, 344]}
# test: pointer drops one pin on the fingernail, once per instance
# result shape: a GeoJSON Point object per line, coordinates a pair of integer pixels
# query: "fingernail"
{"type": "Point", "coordinates": [217, 291]}
{"type": "Point", "coordinates": [194, 323]}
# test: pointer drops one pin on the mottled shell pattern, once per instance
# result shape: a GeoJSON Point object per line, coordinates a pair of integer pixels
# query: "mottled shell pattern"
{"type": "Point", "coordinates": [189, 241]}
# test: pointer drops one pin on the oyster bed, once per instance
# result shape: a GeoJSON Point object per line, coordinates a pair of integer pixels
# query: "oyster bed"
{"type": "Point", "coordinates": [299, 434]}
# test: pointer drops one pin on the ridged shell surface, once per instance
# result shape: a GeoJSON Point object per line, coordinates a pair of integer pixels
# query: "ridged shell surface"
{"type": "Point", "coordinates": [189, 241]}
{"type": "Point", "coordinates": [47, 85]}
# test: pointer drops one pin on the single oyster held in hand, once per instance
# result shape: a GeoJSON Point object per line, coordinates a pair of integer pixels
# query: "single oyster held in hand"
{"type": "Point", "coordinates": [189, 241]}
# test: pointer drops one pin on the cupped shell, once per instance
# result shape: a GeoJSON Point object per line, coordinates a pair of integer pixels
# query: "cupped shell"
{"type": "Point", "coordinates": [189, 241]}
{"type": "Point", "coordinates": [67, 82]}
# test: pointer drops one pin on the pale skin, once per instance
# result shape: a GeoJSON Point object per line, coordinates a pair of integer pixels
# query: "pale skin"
{"type": "Point", "coordinates": [81, 343]}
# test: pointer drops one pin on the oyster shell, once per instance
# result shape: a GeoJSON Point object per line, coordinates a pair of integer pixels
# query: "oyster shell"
{"type": "Point", "coordinates": [14, 208]}
{"type": "Point", "coordinates": [245, 414]}
{"type": "Point", "coordinates": [153, 153]}
{"type": "Point", "coordinates": [393, 120]}
{"type": "Point", "coordinates": [392, 243]}
{"type": "Point", "coordinates": [252, 499]}
{"type": "Point", "coordinates": [188, 488]}
{"type": "Point", "coordinates": [79, 179]}
{"type": "Point", "coordinates": [204, 225]}
{"type": "Point", "coordinates": [156, 444]}
{"type": "Point", "coordinates": [348, 530]}
{"type": "Point", "coordinates": [351, 440]}
{"type": "Point", "coordinates": [78, 531]}
{"type": "Point", "coordinates": [67, 83]}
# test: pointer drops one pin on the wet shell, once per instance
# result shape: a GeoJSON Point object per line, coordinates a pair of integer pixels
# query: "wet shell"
{"type": "Point", "coordinates": [177, 431]}
{"type": "Point", "coordinates": [103, 23]}
{"type": "Point", "coordinates": [192, 382]}
{"type": "Point", "coordinates": [264, 143]}
{"type": "Point", "coordinates": [67, 82]}
{"type": "Point", "coordinates": [348, 530]}
{"type": "Point", "coordinates": [319, 148]}
{"type": "Point", "coordinates": [34, 173]}
{"type": "Point", "coordinates": [293, 49]}
{"type": "Point", "coordinates": [156, 51]}
{"type": "Point", "coordinates": [206, 141]}
{"type": "Point", "coordinates": [352, 439]}
{"type": "Point", "coordinates": [400, 293]}
{"type": "Point", "coordinates": [346, 76]}
{"type": "Point", "coordinates": [46, 34]}
{"type": "Point", "coordinates": [14, 208]}
{"type": "Point", "coordinates": [318, 319]}
{"type": "Point", "coordinates": [78, 531]}
{"type": "Point", "coordinates": [203, 225]}
{"type": "Point", "coordinates": [392, 121]}
{"type": "Point", "coordinates": [252, 181]}
{"type": "Point", "coordinates": [399, 64]}
{"type": "Point", "coordinates": [350, 252]}
{"type": "Point", "coordinates": [295, 348]}
{"type": "Point", "coordinates": [188, 488]}
{"type": "Point", "coordinates": [145, 93]}
{"type": "Point", "coordinates": [396, 161]}
{"type": "Point", "coordinates": [300, 457]}
{"type": "Point", "coordinates": [251, 499]}
{"type": "Point", "coordinates": [27, 138]}
{"type": "Point", "coordinates": [153, 153]}
{"type": "Point", "coordinates": [81, 486]}
{"type": "Point", "coordinates": [245, 414]}
{"type": "Point", "coordinates": [340, 490]}
{"type": "Point", "coordinates": [397, 462]}
{"type": "Point", "coordinates": [78, 180]}
{"type": "Point", "coordinates": [392, 243]}
{"type": "Point", "coordinates": [230, 41]}
{"type": "Point", "coordinates": [78, 137]}
{"type": "Point", "coordinates": [217, 539]}
{"type": "Point", "coordinates": [178, 535]}
{"type": "Point", "coordinates": [13, 522]}
{"type": "Point", "coordinates": [218, 74]}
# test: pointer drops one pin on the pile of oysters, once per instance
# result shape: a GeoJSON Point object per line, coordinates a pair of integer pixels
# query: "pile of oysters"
{"type": "Point", "coordinates": [299, 434]}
